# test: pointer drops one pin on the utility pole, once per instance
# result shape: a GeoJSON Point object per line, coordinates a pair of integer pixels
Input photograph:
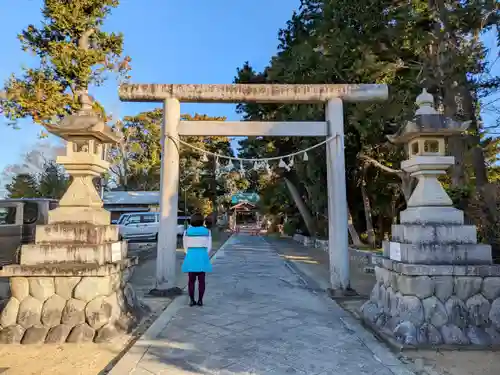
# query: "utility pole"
{"type": "Point", "coordinates": [185, 190]}
{"type": "Point", "coordinates": [185, 206]}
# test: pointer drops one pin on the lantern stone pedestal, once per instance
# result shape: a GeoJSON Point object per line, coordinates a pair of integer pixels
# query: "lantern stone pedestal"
{"type": "Point", "coordinates": [435, 285]}
{"type": "Point", "coordinates": [72, 284]}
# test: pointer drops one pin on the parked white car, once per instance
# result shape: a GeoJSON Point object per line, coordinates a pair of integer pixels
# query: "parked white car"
{"type": "Point", "coordinates": [144, 226]}
{"type": "Point", "coordinates": [139, 226]}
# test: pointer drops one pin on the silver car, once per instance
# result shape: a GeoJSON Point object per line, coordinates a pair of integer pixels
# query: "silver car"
{"type": "Point", "coordinates": [139, 226]}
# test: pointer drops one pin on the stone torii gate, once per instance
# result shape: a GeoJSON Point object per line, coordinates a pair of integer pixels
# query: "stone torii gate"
{"type": "Point", "coordinates": [333, 95]}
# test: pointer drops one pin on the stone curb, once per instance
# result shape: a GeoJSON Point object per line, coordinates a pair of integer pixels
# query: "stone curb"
{"type": "Point", "coordinates": [323, 245]}
{"type": "Point", "coordinates": [132, 357]}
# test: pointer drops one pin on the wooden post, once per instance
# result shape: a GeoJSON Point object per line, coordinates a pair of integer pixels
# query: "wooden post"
{"type": "Point", "coordinates": [337, 198]}
{"type": "Point", "coordinates": [169, 197]}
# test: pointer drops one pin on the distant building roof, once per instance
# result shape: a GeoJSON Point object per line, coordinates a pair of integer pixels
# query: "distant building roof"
{"type": "Point", "coordinates": [245, 206]}
{"type": "Point", "coordinates": [131, 197]}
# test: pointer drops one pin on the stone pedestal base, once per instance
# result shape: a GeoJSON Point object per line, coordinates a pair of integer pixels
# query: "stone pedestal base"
{"type": "Point", "coordinates": [422, 305]}
{"type": "Point", "coordinates": [79, 215]}
{"type": "Point", "coordinates": [436, 244]}
{"type": "Point", "coordinates": [74, 243]}
{"type": "Point", "coordinates": [68, 303]}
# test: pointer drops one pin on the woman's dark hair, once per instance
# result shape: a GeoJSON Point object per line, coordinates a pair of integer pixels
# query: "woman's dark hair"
{"type": "Point", "coordinates": [197, 220]}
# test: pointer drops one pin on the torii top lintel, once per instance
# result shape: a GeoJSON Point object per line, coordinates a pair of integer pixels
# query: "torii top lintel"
{"type": "Point", "coordinates": [256, 93]}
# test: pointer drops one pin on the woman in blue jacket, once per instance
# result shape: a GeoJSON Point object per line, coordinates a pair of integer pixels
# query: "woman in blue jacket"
{"type": "Point", "coordinates": [197, 243]}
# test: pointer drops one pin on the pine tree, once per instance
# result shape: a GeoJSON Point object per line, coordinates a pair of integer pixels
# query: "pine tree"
{"type": "Point", "coordinates": [74, 53]}
{"type": "Point", "coordinates": [52, 182]}
{"type": "Point", "coordinates": [378, 41]}
{"type": "Point", "coordinates": [23, 186]}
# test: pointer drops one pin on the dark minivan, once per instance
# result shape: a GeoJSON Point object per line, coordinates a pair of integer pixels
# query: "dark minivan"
{"type": "Point", "coordinates": [18, 221]}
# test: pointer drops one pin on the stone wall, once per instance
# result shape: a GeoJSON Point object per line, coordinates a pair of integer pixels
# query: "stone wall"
{"type": "Point", "coordinates": [364, 257]}
{"type": "Point", "coordinates": [455, 305]}
{"type": "Point", "coordinates": [304, 240]}
{"type": "Point", "coordinates": [67, 309]}
{"type": "Point", "coordinates": [311, 242]}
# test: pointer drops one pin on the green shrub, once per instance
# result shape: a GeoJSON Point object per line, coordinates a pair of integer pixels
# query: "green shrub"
{"type": "Point", "coordinates": [460, 196]}
{"type": "Point", "coordinates": [484, 211]}
{"type": "Point", "coordinates": [290, 228]}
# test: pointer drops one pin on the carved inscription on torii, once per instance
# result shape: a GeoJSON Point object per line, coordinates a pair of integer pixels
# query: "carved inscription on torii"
{"type": "Point", "coordinates": [262, 93]}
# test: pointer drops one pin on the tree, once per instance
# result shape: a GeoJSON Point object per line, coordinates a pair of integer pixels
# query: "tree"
{"type": "Point", "coordinates": [206, 185]}
{"type": "Point", "coordinates": [22, 186]}
{"type": "Point", "coordinates": [375, 41]}
{"type": "Point", "coordinates": [74, 53]}
{"type": "Point", "coordinates": [33, 162]}
{"type": "Point", "coordinates": [308, 49]}
{"type": "Point", "coordinates": [53, 181]}
{"type": "Point", "coordinates": [136, 158]}
{"type": "Point", "coordinates": [136, 162]}
{"type": "Point", "coordinates": [455, 68]}
{"type": "Point", "coordinates": [37, 175]}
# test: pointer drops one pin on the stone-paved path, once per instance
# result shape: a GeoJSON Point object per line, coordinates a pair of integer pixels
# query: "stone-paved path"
{"type": "Point", "coordinates": [260, 318]}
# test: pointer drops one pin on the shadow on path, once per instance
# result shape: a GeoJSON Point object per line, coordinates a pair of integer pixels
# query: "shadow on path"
{"type": "Point", "coordinates": [260, 318]}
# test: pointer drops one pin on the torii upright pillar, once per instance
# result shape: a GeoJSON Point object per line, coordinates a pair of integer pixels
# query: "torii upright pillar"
{"type": "Point", "coordinates": [332, 95]}
{"type": "Point", "coordinates": [169, 197]}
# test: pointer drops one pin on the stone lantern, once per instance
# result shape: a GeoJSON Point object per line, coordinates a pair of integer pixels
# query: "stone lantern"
{"type": "Point", "coordinates": [435, 285]}
{"type": "Point", "coordinates": [87, 138]}
{"type": "Point", "coordinates": [72, 284]}
{"type": "Point", "coordinates": [424, 137]}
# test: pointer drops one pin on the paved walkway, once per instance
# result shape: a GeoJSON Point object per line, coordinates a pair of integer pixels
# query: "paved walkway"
{"type": "Point", "coordinates": [259, 318]}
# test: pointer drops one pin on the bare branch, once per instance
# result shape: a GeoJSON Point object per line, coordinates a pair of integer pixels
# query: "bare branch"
{"type": "Point", "coordinates": [406, 179]}
{"type": "Point", "coordinates": [83, 41]}
{"type": "Point", "coordinates": [378, 164]}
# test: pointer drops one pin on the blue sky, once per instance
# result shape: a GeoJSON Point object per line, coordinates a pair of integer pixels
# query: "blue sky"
{"type": "Point", "coordinates": [189, 41]}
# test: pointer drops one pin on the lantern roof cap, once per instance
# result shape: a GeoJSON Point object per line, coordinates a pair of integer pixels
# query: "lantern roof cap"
{"type": "Point", "coordinates": [425, 103]}
{"type": "Point", "coordinates": [85, 123]}
{"type": "Point", "coordinates": [427, 122]}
